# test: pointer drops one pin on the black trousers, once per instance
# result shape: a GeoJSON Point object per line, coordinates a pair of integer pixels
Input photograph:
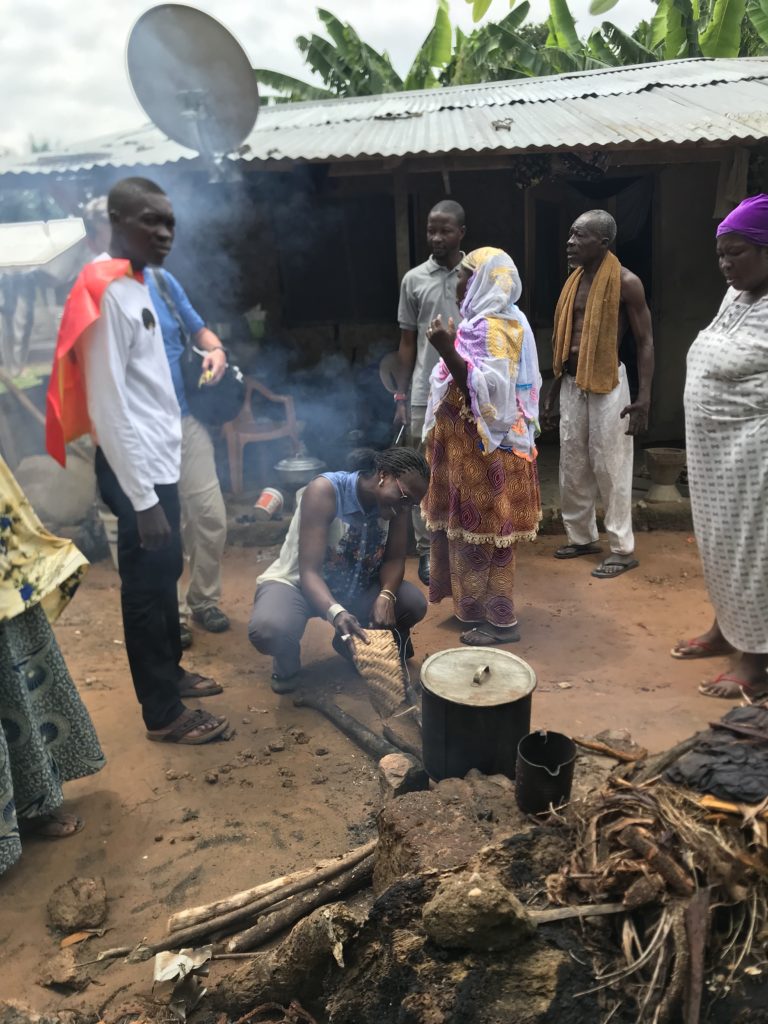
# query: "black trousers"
{"type": "Point", "coordinates": [149, 600]}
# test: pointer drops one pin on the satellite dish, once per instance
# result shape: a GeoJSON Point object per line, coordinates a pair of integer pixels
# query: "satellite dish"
{"type": "Point", "coordinates": [193, 79]}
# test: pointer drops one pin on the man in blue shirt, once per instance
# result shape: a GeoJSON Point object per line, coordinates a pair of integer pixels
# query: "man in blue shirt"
{"type": "Point", "coordinates": [203, 513]}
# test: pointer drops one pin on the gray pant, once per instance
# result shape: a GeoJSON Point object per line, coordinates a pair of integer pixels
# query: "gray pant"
{"type": "Point", "coordinates": [203, 518]}
{"type": "Point", "coordinates": [281, 612]}
{"type": "Point", "coordinates": [423, 536]}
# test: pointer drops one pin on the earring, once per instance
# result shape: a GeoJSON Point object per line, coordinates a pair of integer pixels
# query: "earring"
{"type": "Point", "coordinates": [381, 481]}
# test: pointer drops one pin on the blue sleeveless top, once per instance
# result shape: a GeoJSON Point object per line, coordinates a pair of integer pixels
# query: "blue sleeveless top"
{"type": "Point", "coordinates": [356, 543]}
{"type": "Point", "coordinates": [353, 562]}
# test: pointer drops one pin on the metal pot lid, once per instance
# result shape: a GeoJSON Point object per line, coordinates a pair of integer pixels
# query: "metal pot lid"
{"type": "Point", "coordinates": [297, 463]}
{"type": "Point", "coordinates": [480, 677]}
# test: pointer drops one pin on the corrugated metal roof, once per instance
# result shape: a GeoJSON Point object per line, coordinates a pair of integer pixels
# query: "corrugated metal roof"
{"type": "Point", "coordinates": [671, 102]}
{"type": "Point", "coordinates": [37, 243]}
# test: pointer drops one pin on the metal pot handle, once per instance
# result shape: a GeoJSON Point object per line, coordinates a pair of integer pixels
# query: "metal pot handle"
{"type": "Point", "coordinates": [481, 675]}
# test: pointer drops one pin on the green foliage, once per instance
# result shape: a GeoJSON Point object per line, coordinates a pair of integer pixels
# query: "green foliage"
{"type": "Point", "coordinates": [564, 26]}
{"type": "Point", "coordinates": [479, 9]}
{"type": "Point", "coordinates": [513, 47]}
{"type": "Point", "coordinates": [722, 36]}
{"type": "Point", "coordinates": [40, 145]}
{"type": "Point", "coordinates": [626, 48]}
{"type": "Point", "coordinates": [757, 12]}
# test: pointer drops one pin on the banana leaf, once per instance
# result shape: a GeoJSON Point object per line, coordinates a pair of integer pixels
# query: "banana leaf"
{"type": "Point", "coordinates": [757, 12]}
{"type": "Point", "coordinates": [600, 49]}
{"type": "Point", "coordinates": [479, 9]}
{"type": "Point", "coordinates": [628, 49]}
{"type": "Point", "coordinates": [293, 87]}
{"type": "Point", "coordinates": [722, 36]}
{"type": "Point", "coordinates": [564, 26]}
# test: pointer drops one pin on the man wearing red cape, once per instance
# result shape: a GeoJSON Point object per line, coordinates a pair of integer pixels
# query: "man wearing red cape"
{"type": "Point", "coordinates": [111, 378]}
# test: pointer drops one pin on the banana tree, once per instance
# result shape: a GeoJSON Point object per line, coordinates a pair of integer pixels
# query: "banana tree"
{"type": "Point", "coordinates": [563, 49]}
{"type": "Point", "coordinates": [677, 28]}
{"type": "Point", "coordinates": [693, 28]}
{"type": "Point", "coordinates": [348, 66]}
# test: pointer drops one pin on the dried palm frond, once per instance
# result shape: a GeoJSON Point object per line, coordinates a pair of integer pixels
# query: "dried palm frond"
{"type": "Point", "coordinates": [678, 873]}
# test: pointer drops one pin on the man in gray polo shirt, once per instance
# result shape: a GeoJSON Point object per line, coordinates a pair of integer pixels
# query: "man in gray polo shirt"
{"type": "Point", "coordinates": [426, 290]}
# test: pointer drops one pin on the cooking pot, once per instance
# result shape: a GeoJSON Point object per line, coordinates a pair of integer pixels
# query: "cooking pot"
{"type": "Point", "coordinates": [297, 470]}
{"type": "Point", "coordinates": [476, 707]}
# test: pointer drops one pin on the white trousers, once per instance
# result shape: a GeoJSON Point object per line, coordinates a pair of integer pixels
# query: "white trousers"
{"type": "Point", "coordinates": [203, 518]}
{"type": "Point", "coordinates": [596, 457]}
{"type": "Point", "coordinates": [418, 415]}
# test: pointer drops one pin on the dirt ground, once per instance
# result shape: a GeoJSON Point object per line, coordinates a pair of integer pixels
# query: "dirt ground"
{"type": "Point", "coordinates": [169, 827]}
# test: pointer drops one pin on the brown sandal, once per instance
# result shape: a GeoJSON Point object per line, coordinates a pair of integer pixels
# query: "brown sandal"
{"type": "Point", "coordinates": [186, 723]}
{"type": "Point", "coordinates": [189, 686]}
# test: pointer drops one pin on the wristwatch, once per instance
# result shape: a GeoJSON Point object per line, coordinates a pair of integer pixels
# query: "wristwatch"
{"type": "Point", "coordinates": [334, 611]}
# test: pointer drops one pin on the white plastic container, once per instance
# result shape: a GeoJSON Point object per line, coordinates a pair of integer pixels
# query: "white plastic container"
{"type": "Point", "coordinates": [269, 505]}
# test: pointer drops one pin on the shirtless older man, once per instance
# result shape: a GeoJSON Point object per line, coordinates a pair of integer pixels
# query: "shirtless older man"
{"type": "Point", "coordinates": [599, 302]}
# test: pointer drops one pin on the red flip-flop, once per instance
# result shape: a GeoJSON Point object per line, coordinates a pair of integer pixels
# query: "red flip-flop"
{"type": "Point", "coordinates": [701, 647]}
{"type": "Point", "coordinates": [740, 689]}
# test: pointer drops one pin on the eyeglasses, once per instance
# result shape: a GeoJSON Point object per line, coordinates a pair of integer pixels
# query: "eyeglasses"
{"type": "Point", "coordinates": [405, 498]}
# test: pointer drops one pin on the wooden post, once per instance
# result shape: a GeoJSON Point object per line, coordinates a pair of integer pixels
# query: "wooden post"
{"type": "Point", "coordinates": [402, 221]}
{"type": "Point", "coordinates": [529, 244]}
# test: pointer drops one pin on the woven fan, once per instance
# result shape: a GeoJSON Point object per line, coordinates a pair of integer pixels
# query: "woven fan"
{"type": "Point", "coordinates": [378, 662]}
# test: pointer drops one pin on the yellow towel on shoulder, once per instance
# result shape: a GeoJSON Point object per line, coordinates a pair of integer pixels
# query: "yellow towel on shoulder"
{"type": "Point", "coordinates": [598, 367]}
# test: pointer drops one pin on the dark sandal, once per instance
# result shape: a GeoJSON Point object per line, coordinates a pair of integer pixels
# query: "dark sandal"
{"type": "Point", "coordinates": [489, 639]}
{"type": "Point", "coordinates": [189, 686]}
{"type": "Point", "coordinates": [577, 550]}
{"type": "Point", "coordinates": [284, 684]}
{"type": "Point", "coordinates": [609, 568]}
{"type": "Point", "coordinates": [187, 723]}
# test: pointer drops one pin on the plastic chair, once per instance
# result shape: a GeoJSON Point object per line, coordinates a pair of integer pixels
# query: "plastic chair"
{"type": "Point", "coordinates": [244, 429]}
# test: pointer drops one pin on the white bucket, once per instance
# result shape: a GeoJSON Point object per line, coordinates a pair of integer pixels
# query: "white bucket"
{"type": "Point", "coordinates": [109, 522]}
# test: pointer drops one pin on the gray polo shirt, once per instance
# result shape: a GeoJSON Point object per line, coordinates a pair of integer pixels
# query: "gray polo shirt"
{"type": "Point", "coordinates": [426, 290]}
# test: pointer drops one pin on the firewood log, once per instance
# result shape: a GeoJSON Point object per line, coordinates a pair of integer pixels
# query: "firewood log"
{"type": "Point", "coordinates": [278, 888]}
{"type": "Point", "coordinates": [272, 924]}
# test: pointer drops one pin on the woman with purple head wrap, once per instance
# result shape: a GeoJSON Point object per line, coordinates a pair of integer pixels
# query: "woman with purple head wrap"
{"type": "Point", "coordinates": [726, 420]}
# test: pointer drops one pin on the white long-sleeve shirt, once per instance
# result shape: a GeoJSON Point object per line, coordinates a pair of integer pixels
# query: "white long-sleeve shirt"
{"type": "Point", "coordinates": [131, 401]}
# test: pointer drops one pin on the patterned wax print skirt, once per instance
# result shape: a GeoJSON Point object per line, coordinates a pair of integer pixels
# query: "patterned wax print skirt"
{"type": "Point", "coordinates": [477, 507]}
{"type": "Point", "coordinates": [46, 734]}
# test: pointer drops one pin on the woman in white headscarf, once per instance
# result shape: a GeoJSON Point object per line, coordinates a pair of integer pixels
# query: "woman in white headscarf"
{"type": "Point", "coordinates": [480, 427]}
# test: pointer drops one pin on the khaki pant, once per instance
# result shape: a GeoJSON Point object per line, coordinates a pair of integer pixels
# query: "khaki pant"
{"type": "Point", "coordinates": [423, 536]}
{"type": "Point", "coordinates": [281, 612]}
{"type": "Point", "coordinates": [203, 518]}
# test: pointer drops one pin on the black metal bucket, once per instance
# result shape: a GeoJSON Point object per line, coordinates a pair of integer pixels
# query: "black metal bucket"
{"type": "Point", "coordinates": [545, 763]}
{"type": "Point", "coordinates": [476, 706]}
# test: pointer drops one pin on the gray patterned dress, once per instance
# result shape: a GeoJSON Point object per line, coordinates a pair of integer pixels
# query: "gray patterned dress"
{"type": "Point", "coordinates": [726, 422]}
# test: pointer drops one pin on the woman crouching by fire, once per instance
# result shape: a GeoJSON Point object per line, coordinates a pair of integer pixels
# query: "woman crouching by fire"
{"type": "Point", "coordinates": [343, 559]}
